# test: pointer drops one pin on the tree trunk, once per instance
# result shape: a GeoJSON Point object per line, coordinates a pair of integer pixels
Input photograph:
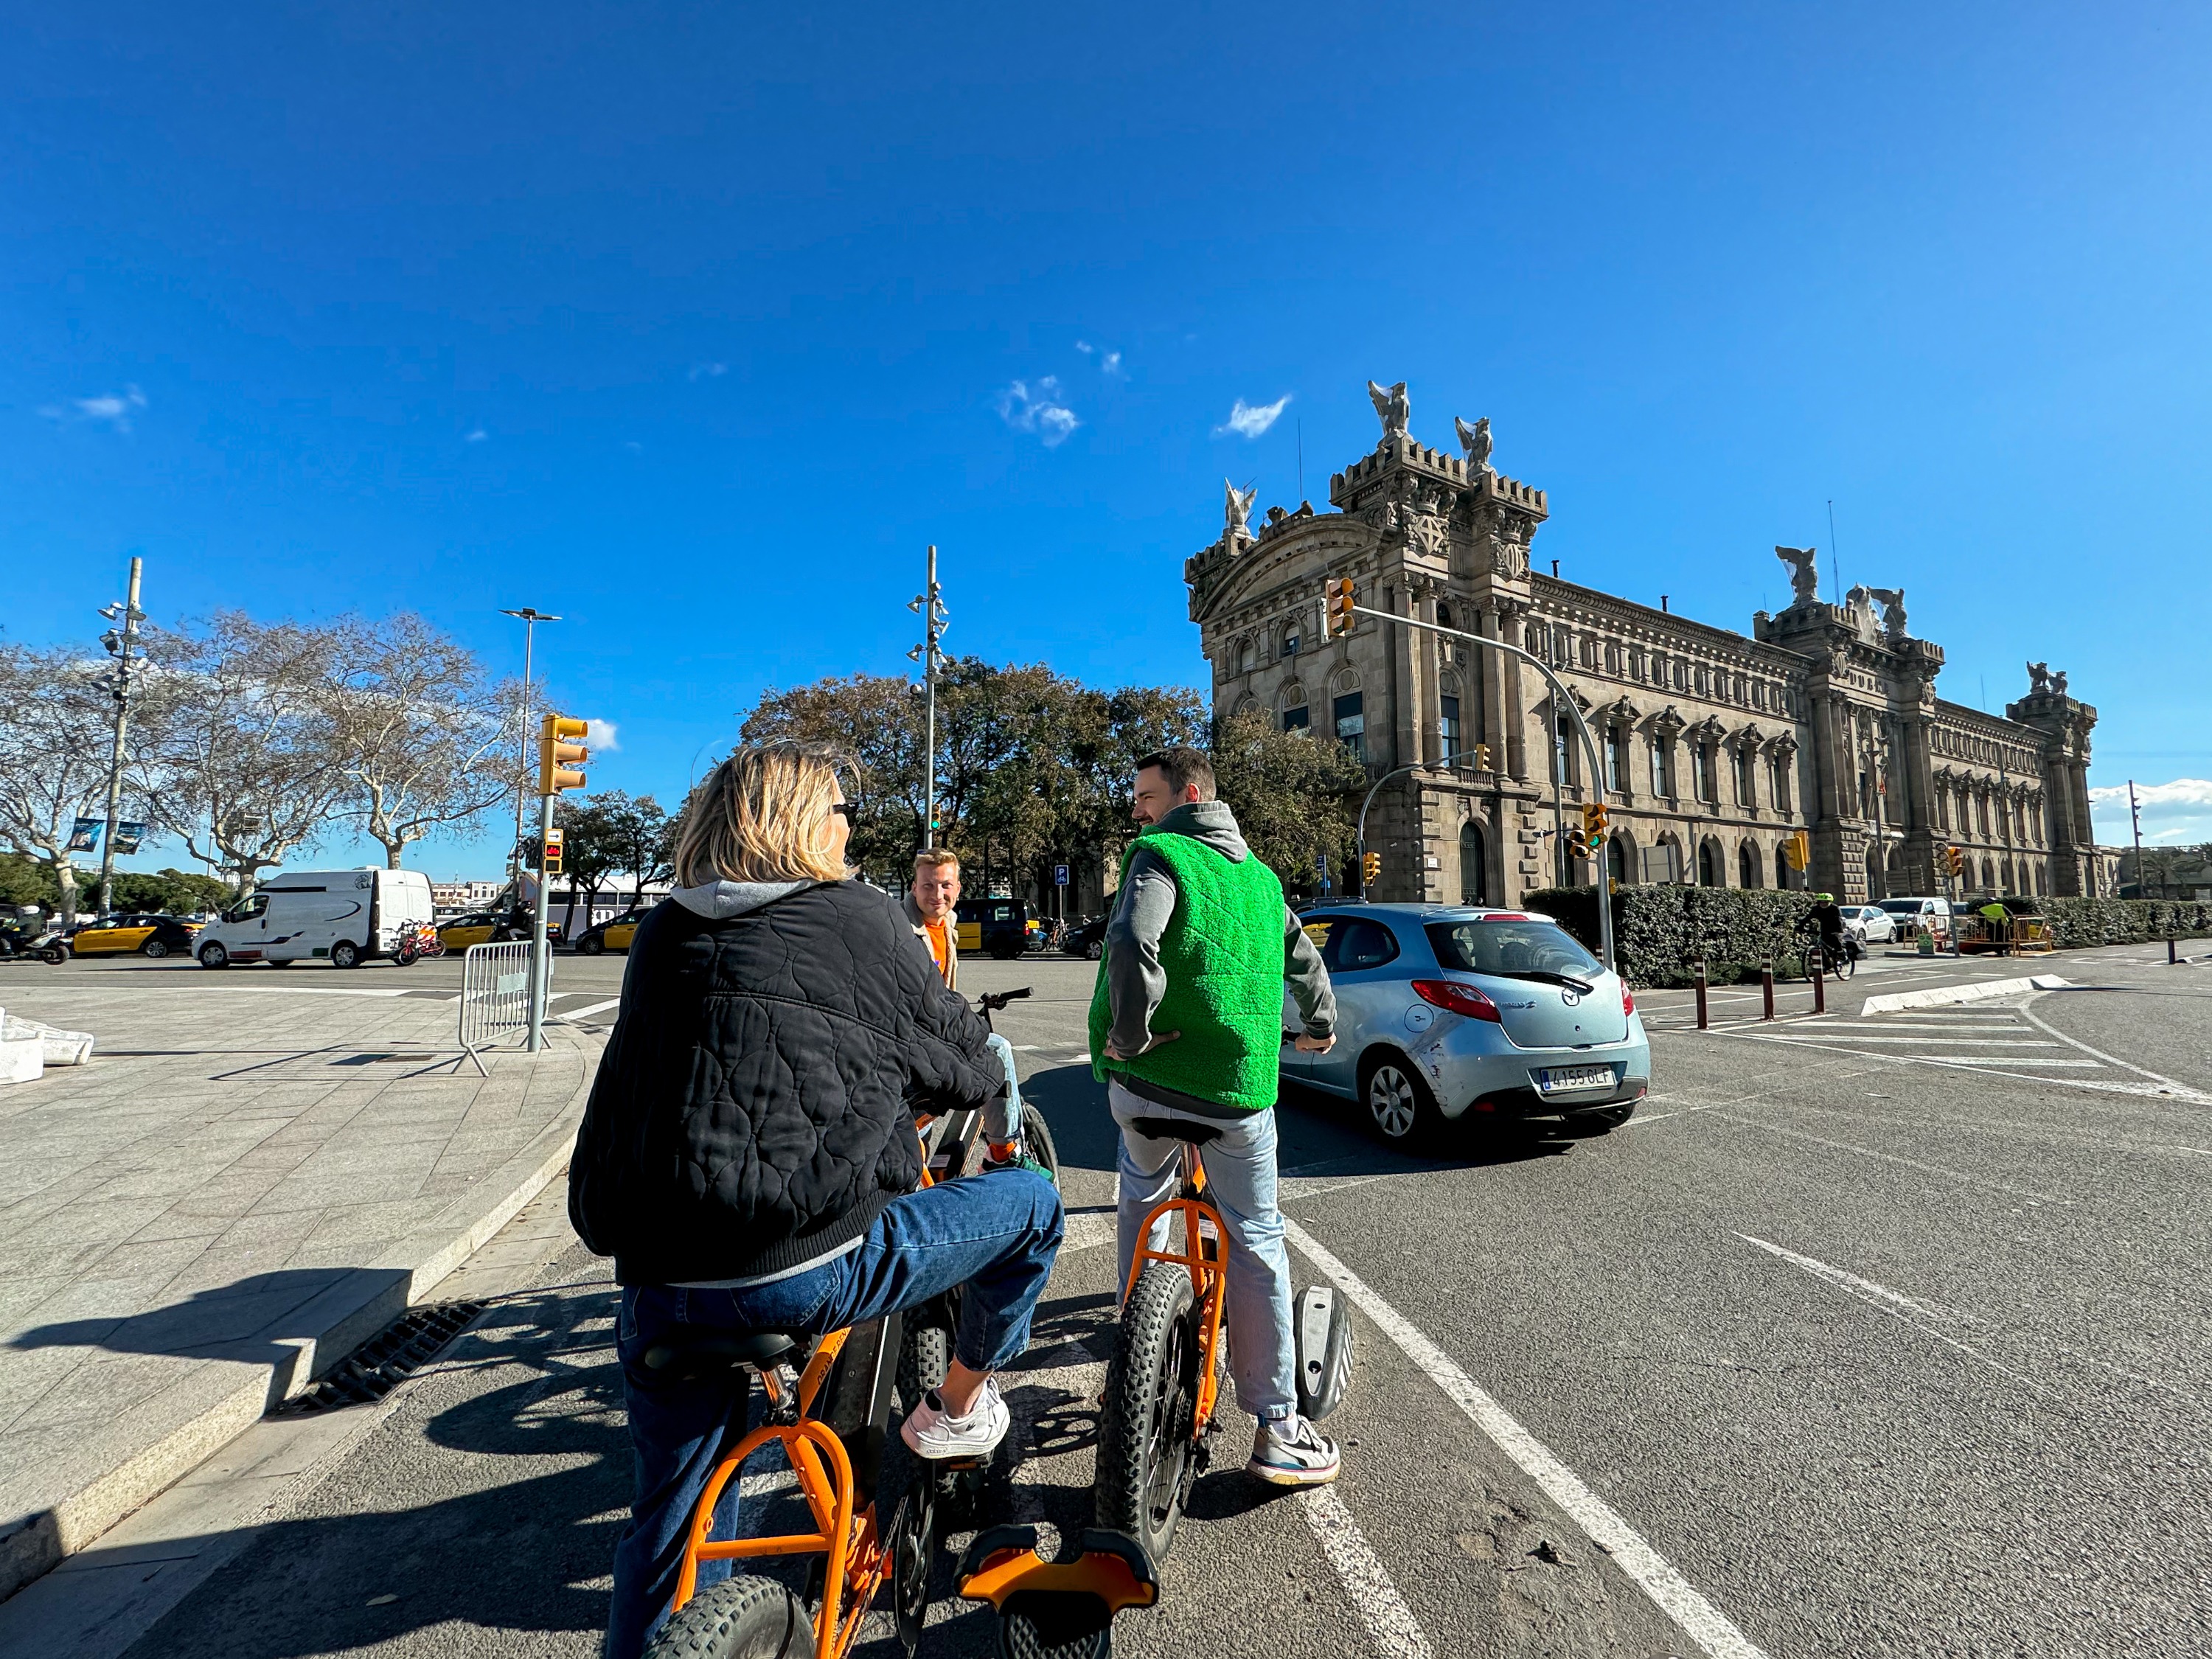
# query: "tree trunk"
{"type": "Point", "coordinates": [65, 874]}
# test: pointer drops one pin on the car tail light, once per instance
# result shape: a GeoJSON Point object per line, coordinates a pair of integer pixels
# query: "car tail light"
{"type": "Point", "coordinates": [1449, 993]}
{"type": "Point", "coordinates": [1627, 999]}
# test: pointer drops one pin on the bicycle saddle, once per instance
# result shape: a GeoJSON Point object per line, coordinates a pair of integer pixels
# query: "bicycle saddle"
{"type": "Point", "coordinates": [698, 1355]}
{"type": "Point", "coordinates": [1175, 1128]}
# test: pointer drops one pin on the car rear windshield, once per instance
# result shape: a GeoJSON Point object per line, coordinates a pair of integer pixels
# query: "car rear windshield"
{"type": "Point", "coordinates": [1507, 948]}
{"type": "Point", "coordinates": [1902, 906]}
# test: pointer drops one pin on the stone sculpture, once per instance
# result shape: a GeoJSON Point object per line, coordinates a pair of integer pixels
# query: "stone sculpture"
{"type": "Point", "coordinates": [1239, 513]}
{"type": "Point", "coordinates": [2059, 684]}
{"type": "Point", "coordinates": [1393, 408]}
{"type": "Point", "coordinates": [1475, 440]}
{"type": "Point", "coordinates": [1892, 600]}
{"type": "Point", "coordinates": [2038, 679]}
{"type": "Point", "coordinates": [1804, 580]}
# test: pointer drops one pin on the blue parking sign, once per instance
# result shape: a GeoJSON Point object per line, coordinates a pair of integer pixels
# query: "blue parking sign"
{"type": "Point", "coordinates": [1060, 875]}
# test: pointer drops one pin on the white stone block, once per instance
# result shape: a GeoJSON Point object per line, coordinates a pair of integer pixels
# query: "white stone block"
{"type": "Point", "coordinates": [22, 1060]}
{"type": "Point", "coordinates": [61, 1047]}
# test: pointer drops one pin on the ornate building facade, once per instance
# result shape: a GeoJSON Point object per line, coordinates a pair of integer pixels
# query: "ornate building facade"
{"type": "Point", "coordinates": [1716, 748]}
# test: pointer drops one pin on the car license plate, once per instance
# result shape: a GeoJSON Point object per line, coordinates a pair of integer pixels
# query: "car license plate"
{"type": "Point", "coordinates": [1564, 1079]}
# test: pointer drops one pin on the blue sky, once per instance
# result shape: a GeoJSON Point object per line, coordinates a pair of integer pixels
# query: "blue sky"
{"type": "Point", "coordinates": [696, 323]}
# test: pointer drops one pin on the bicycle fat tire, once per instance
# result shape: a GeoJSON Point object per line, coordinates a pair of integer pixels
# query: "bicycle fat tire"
{"type": "Point", "coordinates": [745, 1617]}
{"type": "Point", "coordinates": [1037, 1142]}
{"type": "Point", "coordinates": [1147, 1444]}
{"type": "Point", "coordinates": [924, 1359]}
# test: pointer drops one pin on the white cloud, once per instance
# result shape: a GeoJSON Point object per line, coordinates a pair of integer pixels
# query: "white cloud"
{"type": "Point", "coordinates": [112, 408]}
{"type": "Point", "coordinates": [709, 371]}
{"type": "Point", "coordinates": [599, 737]}
{"type": "Point", "coordinates": [634, 447]}
{"type": "Point", "coordinates": [1250, 420]}
{"type": "Point", "coordinates": [2179, 811]}
{"type": "Point", "coordinates": [1042, 412]}
{"type": "Point", "coordinates": [478, 435]}
{"type": "Point", "coordinates": [1110, 363]}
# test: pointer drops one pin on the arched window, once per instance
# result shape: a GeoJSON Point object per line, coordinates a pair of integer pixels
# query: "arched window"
{"type": "Point", "coordinates": [2005, 869]}
{"type": "Point", "coordinates": [1293, 705]}
{"type": "Point", "coordinates": [1782, 869]}
{"type": "Point", "coordinates": [1989, 877]}
{"type": "Point", "coordinates": [1246, 705]}
{"type": "Point", "coordinates": [1876, 888]}
{"type": "Point", "coordinates": [1746, 866]}
{"type": "Point", "coordinates": [1292, 638]}
{"type": "Point", "coordinates": [1449, 734]}
{"type": "Point", "coordinates": [1662, 860]}
{"type": "Point", "coordinates": [1619, 857]}
{"type": "Point", "coordinates": [1443, 615]}
{"type": "Point", "coordinates": [1709, 864]}
{"type": "Point", "coordinates": [1349, 715]}
{"type": "Point", "coordinates": [1474, 866]}
{"type": "Point", "coordinates": [1244, 653]}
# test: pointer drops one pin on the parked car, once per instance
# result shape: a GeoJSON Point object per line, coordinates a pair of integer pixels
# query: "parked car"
{"type": "Point", "coordinates": [614, 933]}
{"type": "Point", "coordinates": [1087, 937]}
{"type": "Point", "coordinates": [148, 935]}
{"type": "Point", "coordinates": [1869, 923]}
{"type": "Point", "coordinates": [345, 917]}
{"type": "Point", "coordinates": [1447, 1010]}
{"type": "Point", "coordinates": [1910, 916]}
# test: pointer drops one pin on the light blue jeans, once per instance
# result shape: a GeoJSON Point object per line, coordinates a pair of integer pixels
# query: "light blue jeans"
{"type": "Point", "coordinates": [1240, 1175]}
{"type": "Point", "coordinates": [1002, 1119]}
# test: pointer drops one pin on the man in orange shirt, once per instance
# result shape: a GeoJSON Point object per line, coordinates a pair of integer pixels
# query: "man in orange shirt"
{"type": "Point", "coordinates": [930, 906]}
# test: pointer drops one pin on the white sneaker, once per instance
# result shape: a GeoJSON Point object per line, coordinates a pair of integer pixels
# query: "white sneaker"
{"type": "Point", "coordinates": [1293, 1453]}
{"type": "Point", "coordinates": [933, 1432]}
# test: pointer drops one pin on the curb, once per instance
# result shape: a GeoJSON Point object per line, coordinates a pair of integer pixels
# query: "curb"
{"type": "Point", "coordinates": [341, 1318]}
{"type": "Point", "coordinates": [1898, 1000]}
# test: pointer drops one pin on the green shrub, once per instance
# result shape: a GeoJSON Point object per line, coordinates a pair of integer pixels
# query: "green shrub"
{"type": "Point", "coordinates": [1660, 932]}
{"type": "Point", "coordinates": [2078, 923]}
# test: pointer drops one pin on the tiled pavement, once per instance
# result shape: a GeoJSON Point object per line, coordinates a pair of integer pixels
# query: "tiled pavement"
{"type": "Point", "coordinates": [247, 1179]}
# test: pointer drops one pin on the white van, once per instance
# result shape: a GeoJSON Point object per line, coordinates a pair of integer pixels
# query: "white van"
{"type": "Point", "coordinates": [1912, 915]}
{"type": "Point", "coordinates": [343, 916]}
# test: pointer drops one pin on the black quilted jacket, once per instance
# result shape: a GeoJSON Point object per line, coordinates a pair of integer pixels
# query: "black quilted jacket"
{"type": "Point", "coordinates": [751, 1110]}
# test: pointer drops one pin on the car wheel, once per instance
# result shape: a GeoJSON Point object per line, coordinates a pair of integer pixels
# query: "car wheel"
{"type": "Point", "coordinates": [212, 955]}
{"type": "Point", "coordinates": [1094, 950]}
{"type": "Point", "coordinates": [1399, 1105]}
{"type": "Point", "coordinates": [345, 954]}
{"type": "Point", "coordinates": [591, 945]}
{"type": "Point", "coordinates": [153, 948]}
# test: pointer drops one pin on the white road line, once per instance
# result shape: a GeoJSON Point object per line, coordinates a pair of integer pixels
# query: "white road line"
{"type": "Point", "coordinates": [594, 1008]}
{"type": "Point", "coordinates": [1853, 1283]}
{"type": "Point", "coordinates": [2028, 1014]}
{"type": "Point", "coordinates": [1397, 1633]}
{"type": "Point", "coordinates": [1925, 1042]}
{"type": "Point", "coordinates": [1704, 1623]}
{"type": "Point", "coordinates": [2140, 1091]}
{"type": "Point", "coordinates": [2020, 1060]}
{"type": "Point", "coordinates": [1907, 1162]}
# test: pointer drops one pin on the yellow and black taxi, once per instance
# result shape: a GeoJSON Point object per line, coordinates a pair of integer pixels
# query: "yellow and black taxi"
{"type": "Point", "coordinates": [1000, 926]}
{"type": "Point", "coordinates": [614, 933]}
{"type": "Point", "coordinates": [457, 933]}
{"type": "Point", "coordinates": [148, 935]}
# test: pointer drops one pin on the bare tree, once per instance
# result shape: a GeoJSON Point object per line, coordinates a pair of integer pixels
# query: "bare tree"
{"type": "Point", "coordinates": [242, 761]}
{"type": "Point", "coordinates": [56, 723]}
{"type": "Point", "coordinates": [425, 739]}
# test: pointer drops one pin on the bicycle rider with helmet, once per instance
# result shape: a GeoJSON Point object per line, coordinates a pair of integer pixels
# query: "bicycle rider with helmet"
{"type": "Point", "coordinates": [1828, 919]}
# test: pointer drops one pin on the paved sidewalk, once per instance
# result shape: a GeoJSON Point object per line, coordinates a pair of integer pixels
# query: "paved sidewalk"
{"type": "Point", "coordinates": [252, 1176]}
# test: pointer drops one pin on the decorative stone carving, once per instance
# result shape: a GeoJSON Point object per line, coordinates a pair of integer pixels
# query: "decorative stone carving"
{"type": "Point", "coordinates": [1475, 440]}
{"type": "Point", "coordinates": [1892, 600]}
{"type": "Point", "coordinates": [2038, 679]}
{"type": "Point", "coordinates": [1239, 513]}
{"type": "Point", "coordinates": [2059, 684]}
{"type": "Point", "coordinates": [1393, 408]}
{"type": "Point", "coordinates": [1669, 724]}
{"type": "Point", "coordinates": [1804, 580]}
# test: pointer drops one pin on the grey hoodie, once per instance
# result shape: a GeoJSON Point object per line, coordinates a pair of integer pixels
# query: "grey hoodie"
{"type": "Point", "coordinates": [720, 900]}
{"type": "Point", "coordinates": [1135, 981]}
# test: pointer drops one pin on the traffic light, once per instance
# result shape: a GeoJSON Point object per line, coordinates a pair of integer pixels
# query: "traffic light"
{"type": "Point", "coordinates": [551, 864]}
{"type": "Point", "coordinates": [1955, 860]}
{"type": "Point", "coordinates": [1594, 823]}
{"type": "Point", "coordinates": [1482, 758]}
{"type": "Point", "coordinates": [1798, 850]}
{"type": "Point", "coordinates": [1336, 600]}
{"type": "Point", "coordinates": [1371, 870]}
{"type": "Point", "coordinates": [556, 757]}
{"type": "Point", "coordinates": [1577, 842]}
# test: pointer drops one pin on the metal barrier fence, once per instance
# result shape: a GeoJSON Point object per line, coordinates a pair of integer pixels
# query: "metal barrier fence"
{"type": "Point", "coordinates": [495, 997]}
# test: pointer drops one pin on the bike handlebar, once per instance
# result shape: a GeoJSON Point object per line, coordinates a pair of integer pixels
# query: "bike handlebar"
{"type": "Point", "coordinates": [997, 1001]}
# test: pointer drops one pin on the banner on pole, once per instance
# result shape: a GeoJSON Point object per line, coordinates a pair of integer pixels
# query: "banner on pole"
{"type": "Point", "coordinates": [127, 837]}
{"type": "Point", "coordinates": [86, 836]}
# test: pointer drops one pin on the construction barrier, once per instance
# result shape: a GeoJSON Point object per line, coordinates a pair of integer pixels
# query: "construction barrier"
{"type": "Point", "coordinates": [494, 998]}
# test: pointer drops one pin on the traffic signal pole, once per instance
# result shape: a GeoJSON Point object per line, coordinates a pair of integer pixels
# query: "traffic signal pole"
{"type": "Point", "coordinates": [556, 755]}
{"type": "Point", "coordinates": [541, 959]}
{"type": "Point", "coordinates": [1335, 607]}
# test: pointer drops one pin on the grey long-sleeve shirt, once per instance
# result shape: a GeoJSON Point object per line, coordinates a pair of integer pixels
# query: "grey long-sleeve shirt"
{"type": "Point", "coordinates": [1135, 981]}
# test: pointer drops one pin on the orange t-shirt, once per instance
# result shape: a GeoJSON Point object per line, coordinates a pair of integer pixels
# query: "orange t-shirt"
{"type": "Point", "coordinates": [940, 945]}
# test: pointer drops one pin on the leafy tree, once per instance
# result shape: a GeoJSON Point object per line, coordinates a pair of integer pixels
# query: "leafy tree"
{"type": "Point", "coordinates": [427, 741]}
{"type": "Point", "coordinates": [589, 853]}
{"type": "Point", "coordinates": [1292, 795]}
{"type": "Point", "coordinates": [175, 891]}
{"type": "Point", "coordinates": [877, 720]}
{"type": "Point", "coordinates": [639, 838]}
{"type": "Point", "coordinates": [56, 732]}
{"type": "Point", "coordinates": [25, 880]}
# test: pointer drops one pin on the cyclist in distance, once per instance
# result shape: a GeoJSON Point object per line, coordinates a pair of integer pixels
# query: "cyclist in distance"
{"type": "Point", "coordinates": [1186, 1022]}
{"type": "Point", "coordinates": [749, 1157]}
{"type": "Point", "coordinates": [1828, 921]}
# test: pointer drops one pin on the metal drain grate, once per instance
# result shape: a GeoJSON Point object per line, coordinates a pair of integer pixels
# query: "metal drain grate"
{"type": "Point", "coordinates": [385, 1360]}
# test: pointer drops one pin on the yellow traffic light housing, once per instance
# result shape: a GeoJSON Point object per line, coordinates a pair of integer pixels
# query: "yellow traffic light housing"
{"type": "Point", "coordinates": [1594, 822]}
{"type": "Point", "coordinates": [556, 757]}
{"type": "Point", "coordinates": [550, 862]}
{"type": "Point", "coordinates": [1955, 860]}
{"type": "Point", "coordinates": [1798, 850]}
{"type": "Point", "coordinates": [1578, 845]}
{"type": "Point", "coordinates": [1482, 762]}
{"type": "Point", "coordinates": [1370, 869]}
{"type": "Point", "coordinates": [1337, 601]}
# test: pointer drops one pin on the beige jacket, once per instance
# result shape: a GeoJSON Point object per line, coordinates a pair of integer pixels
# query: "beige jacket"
{"type": "Point", "coordinates": [952, 930]}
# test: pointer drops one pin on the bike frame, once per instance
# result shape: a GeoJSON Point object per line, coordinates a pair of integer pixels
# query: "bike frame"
{"type": "Point", "coordinates": [1201, 1257]}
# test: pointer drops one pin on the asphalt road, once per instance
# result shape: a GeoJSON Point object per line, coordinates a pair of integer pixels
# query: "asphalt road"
{"type": "Point", "coordinates": [1869, 1334]}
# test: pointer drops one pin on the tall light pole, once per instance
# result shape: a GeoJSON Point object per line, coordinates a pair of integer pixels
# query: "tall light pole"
{"type": "Point", "coordinates": [933, 618]}
{"type": "Point", "coordinates": [2135, 817]}
{"type": "Point", "coordinates": [120, 641]}
{"type": "Point", "coordinates": [531, 618]}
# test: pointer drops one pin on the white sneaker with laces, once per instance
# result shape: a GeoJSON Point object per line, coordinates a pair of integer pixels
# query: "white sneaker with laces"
{"type": "Point", "coordinates": [934, 1433]}
{"type": "Point", "coordinates": [1292, 1452]}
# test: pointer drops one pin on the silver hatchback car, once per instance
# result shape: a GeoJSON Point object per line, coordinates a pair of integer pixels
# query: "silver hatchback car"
{"type": "Point", "coordinates": [1445, 1009]}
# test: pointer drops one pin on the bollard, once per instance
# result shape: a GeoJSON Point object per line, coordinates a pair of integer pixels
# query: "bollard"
{"type": "Point", "coordinates": [1766, 985]}
{"type": "Point", "coordinates": [1820, 985]}
{"type": "Point", "coordinates": [1702, 1021]}
{"type": "Point", "coordinates": [2171, 960]}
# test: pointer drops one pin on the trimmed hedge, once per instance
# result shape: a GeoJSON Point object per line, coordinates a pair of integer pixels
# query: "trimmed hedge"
{"type": "Point", "coordinates": [2077, 923]}
{"type": "Point", "coordinates": [1661, 931]}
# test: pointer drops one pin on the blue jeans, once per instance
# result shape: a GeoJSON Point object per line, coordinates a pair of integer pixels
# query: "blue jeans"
{"type": "Point", "coordinates": [996, 1234]}
{"type": "Point", "coordinates": [1240, 1177]}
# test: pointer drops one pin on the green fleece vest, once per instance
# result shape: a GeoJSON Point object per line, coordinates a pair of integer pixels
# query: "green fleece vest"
{"type": "Point", "coordinates": [1223, 953]}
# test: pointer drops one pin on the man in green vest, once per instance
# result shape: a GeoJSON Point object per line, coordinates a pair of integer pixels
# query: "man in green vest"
{"type": "Point", "coordinates": [1186, 1022]}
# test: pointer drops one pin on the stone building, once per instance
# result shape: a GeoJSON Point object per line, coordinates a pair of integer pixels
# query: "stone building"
{"type": "Point", "coordinates": [1716, 748]}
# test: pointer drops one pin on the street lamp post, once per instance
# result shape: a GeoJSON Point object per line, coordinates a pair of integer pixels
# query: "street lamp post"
{"type": "Point", "coordinates": [932, 621]}
{"type": "Point", "coordinates": [531, 617]}
{"type": "Point", "coordinates": [120, 641]}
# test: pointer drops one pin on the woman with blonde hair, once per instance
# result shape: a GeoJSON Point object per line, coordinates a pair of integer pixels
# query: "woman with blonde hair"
{"type": "Point", "coordinates": [749, 1155]}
